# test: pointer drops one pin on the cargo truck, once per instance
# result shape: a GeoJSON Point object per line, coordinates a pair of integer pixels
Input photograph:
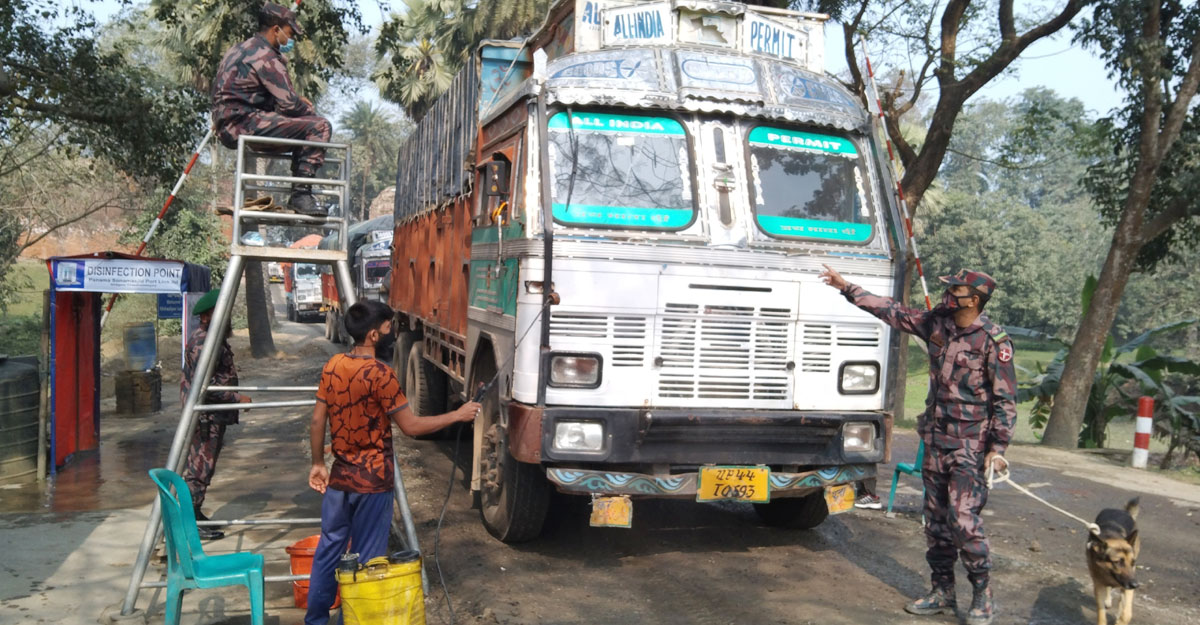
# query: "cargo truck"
{"type": "Point", "coordinates": [620, 222]}
{"type": "Point", "coordinates": [370, 251]}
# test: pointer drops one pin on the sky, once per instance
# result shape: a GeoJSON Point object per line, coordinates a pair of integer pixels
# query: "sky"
{"type": "Point", "coordinates": [1052, 62]}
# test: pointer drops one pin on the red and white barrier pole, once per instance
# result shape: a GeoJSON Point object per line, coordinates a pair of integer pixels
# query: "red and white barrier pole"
{"type": "Point", "coordinates": [894, 162]}
{"type": "Point", "coordinates": [1141, 436]}
{"type": "Point", "coordinates": [158, 220]}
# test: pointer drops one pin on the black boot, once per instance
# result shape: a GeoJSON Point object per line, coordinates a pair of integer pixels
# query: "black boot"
{"type": "Point", "coordinates": [940, 600]}
{"type": "Point", "coordinates": [206, 532]}
{"type": "Point", "coordinates": [303, 202]}
{"type": "Point", "coordinates": [982, 606]}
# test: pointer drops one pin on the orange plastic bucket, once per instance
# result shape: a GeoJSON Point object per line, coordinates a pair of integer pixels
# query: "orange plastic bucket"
{"type": "Point", "coordinates": [301, 553]}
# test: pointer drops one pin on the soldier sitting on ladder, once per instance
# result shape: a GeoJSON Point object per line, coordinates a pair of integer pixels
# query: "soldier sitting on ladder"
{"type": "Point", "coordinates": [253, 95]}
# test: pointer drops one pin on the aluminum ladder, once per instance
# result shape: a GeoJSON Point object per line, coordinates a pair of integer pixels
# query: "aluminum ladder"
{"type": "Point", "coordinates": [338, 188]}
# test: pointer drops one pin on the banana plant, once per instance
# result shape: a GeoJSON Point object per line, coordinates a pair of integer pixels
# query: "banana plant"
{"type": "Point", "coordinates": [1125, 372]}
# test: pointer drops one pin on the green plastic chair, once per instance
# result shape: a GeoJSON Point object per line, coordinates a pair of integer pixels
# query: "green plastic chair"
{"type": "Point", "coordinates": [913, 469]}
{"type": "Point", "coordinates": [187, 565]}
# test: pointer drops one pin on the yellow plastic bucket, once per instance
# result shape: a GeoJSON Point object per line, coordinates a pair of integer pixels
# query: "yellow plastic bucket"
{"type": "Point", "coordinates": [383, 593]}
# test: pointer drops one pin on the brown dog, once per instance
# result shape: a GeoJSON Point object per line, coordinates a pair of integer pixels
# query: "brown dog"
{"type": "Point", "coordinates": [1111, 556]}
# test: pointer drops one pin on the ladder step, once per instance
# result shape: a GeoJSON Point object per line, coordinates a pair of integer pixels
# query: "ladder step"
{"type": "Point", "coordinates": [286, 189]}
{"type": "Point", "coordinates": [261, 216]}
{"type": "Point", "coordinates": [260, 405]}
{"type": "Point", "coordinates": [259, 140]}
{"type": "Point", "coordinates": [285, 254]}
{"type": "Point", "coordinates": [324, 182]}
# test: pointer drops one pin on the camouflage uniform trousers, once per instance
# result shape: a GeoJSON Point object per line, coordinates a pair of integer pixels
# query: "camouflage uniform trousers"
{"type": "Point", "coordinates": [305, 161]}
{"type": "Point", "coordinates": [955, 493]}
{"type": "Point", "coordinates": [203, 452]}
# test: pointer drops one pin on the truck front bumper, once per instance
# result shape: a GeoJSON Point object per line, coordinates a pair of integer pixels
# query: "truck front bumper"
{"type": "Point", "coordinates": [789, 441]}
{"type": "Point", "coordinates": [782, 484]}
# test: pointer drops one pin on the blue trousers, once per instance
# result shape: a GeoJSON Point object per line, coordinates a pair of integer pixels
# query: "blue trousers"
{"type": "Point", "coordinates": [363, 520]}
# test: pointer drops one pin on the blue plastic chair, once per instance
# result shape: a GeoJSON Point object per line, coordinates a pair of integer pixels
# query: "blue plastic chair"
{"type": "Point", "coordinates": [187, 565]}
{"type": "Point", "coordinates": [913, 469]}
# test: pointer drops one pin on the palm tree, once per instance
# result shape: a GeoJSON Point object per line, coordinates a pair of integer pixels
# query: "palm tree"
{"type": "Point", "coordinates": [375, 135]}
{"type": "Point", "coordinates": [428, 45]}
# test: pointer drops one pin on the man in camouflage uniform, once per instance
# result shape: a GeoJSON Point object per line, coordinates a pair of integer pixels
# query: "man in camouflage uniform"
{"type": "Point", "coordinates": [967, 424]}
{"type": "Point", "coordinates": [252, 95]}
{"type": "Point", "coordinates": [209, 436]}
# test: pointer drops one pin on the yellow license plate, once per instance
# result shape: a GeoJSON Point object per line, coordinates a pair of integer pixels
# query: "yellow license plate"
{"type": "Point", "coordinates": [612, 511]}
{"type": "Point", "coordinates": [734, 484]}
{"type": "Point", "coordinates": [839, 499]}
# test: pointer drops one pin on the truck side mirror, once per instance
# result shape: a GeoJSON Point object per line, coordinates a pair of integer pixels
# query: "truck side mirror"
{"type": "Point", "coordinates": [496, 184]}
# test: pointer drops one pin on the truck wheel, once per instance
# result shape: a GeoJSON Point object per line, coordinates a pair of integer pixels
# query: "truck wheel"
{"type": "Point", "coordinates": [515, 495]}
{"type": "Point", "coordinates": [797, 513]}
{"type": "Point", "coordinates": [424, 384]}
{"type": "Point", "coordinates": [335, 327]}
{"type": "Point", "coordinates": [404, 344]}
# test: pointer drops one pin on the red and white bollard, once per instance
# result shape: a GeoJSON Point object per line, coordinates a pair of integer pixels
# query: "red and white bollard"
{"type": "Point", "coordinates": [1141, 436]}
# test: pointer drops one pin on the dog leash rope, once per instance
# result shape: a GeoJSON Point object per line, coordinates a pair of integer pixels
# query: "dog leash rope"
{"type": "Point", "coordinates": [994, 478]}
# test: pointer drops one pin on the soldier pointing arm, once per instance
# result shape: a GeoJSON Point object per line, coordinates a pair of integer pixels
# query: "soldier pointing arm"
{"type": "Point", "coordinates": [967, 424]}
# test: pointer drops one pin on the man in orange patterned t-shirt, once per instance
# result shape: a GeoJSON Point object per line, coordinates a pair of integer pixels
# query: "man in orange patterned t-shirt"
{"type": "Point", "coordinates": [360, 398]}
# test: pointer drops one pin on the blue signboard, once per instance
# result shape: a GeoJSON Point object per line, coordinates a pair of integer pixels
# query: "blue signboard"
{"type": "Point", "coordinates": [170, 305]}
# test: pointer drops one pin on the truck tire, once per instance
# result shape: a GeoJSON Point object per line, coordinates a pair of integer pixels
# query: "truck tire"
{"type": "Point", "coordinates": [424, 384]}
{"type": "Point", "coordinates": [515, 495]}
{"type": "Point", "coordinates": [404, 344]}
{"type": "Point", "coordinates": [796, 513]}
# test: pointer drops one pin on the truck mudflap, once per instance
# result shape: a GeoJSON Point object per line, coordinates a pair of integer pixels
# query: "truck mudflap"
{"type": "Point", "coordinates": [687, 485]}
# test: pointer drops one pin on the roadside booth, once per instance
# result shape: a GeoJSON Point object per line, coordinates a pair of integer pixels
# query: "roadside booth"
{"type": "Point", "coordinates": [76, 285]}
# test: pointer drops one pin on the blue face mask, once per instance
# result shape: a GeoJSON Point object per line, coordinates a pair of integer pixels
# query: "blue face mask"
{"type": "Point", "coordinates": [288, 47]}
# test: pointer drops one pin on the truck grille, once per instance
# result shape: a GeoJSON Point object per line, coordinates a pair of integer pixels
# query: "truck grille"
{"type": "Point", "coordinates": [724, 352]}
{"type": "Point", "coordinates": [818, 339]}
{"type": "Point", "coordinates": [626, 334]}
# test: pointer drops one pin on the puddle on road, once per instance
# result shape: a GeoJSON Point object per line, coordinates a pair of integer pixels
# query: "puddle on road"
{"type": "Point", "coordinates": [112, 478]}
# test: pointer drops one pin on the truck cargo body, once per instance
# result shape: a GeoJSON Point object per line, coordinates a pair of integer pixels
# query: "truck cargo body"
{"type": "Point", "coordinates": [697, 176]}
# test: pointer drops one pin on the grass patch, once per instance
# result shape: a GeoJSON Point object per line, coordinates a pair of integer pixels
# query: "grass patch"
{"type": "Point", "coordinates": [32, 278]}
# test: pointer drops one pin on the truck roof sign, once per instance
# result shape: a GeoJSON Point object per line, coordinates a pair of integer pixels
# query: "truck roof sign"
{"type": "Point", "coordinates": [789, 36]}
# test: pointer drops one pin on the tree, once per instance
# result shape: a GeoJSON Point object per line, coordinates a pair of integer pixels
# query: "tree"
{"type": "Point", "coordinates": [375, 137]}
{"type": "Point", "coordinates": [1010, 204]}
{"type": "Point", "coordinates": [197, 34]}
{"type": "Point", "coordinates": [427, 45]}
{"type": "Point", "coordinates": [959, 51]}
{"type": "Point", "coordinates": [60, 90]}
{"type": "Point", "coordinates": [1148, 188]}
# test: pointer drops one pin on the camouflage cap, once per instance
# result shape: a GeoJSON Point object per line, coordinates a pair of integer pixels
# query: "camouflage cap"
{"type": "Point", "coordinates": [977, 279]}
{"type": "Point", "coordinates": [284, 15]}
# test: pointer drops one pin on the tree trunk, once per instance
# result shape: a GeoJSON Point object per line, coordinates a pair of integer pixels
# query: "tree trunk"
{"type": "Point", "coordinates": [1070, 402]}
{"type": "Point", "coordinates": [262, 343]}
{"type": "Point", "coordinates": [258, 316]}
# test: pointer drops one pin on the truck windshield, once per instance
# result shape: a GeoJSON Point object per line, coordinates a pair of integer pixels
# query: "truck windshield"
{"type": "Point", "coordinates": [808, 186]}
{"type": "Point", "coordinates": [377, 269]}
{"type": "Point", "coordinates": [308, 270]}
{"type": "Point", "coordinates": [630, 171]}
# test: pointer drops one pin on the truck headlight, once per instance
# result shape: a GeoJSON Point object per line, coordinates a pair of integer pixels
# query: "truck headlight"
{"type": "Point", "coordinates": [578, 436]}
{"type": "Point", "coordinates": [858, 437]}
{"type": "Point", "coordinates": [575, 370]}
{"type": "Point", "coordinates": [858, 378]}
